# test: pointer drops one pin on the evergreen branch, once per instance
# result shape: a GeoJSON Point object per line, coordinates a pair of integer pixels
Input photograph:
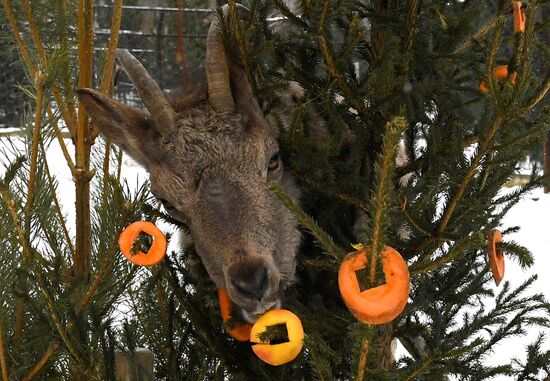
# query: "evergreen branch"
{"type": "Point", "coordinates": [416, 224]}
{"type": "Point", "coordinates": [523, 43]}
{"type": "Point", "coordinates": [345, 197]}
{"type": "Point", "coordinates": [436, 357]}
{"type": "Point", "coordinates": [495, 44]}
{"type": "Point", "coordinates": [459, 248]}
{"type": "Point", "coordinates": [56, 201]}
{"type": "Point", "coordinates": [195, 317]}
{"type": "Point", "coordinates": [42, 362]}
{"type": "Point", "coordinates": [362, 364]}
{"type": "Point", "coordinates": [537, 97]}
{"type": "Point", "coordinates": [102, 272]}
{"type": "Point", "coordinates": [477, 35]}
{"type": "Point", "coordinates": [25, 55]}
{"type": "Point", "coordinates": [286, 12]}
{"type": "Point", "coordinates": [485, 146]}
{"type": "Point", "coordinates": [347, 92]}
{"type": "Point", "coordinates": [3, 362]}
{"type": "Point", "coordinates": [34, 32]}
{"type": "Point", "coordinates": [412, 15]}
{"type": "Point", "coordinates": [69, 113]}
{"type": "Point", "coordinates": [236, 27]}
{"type": "Point", "coordinates": [323, 17]}
{"type": "Point", "coordinates": [23, 51]}
{"type": "Point", "coordinates": [34, 151]}
{"type": "Point", "coordinates": [322, 237]}
{"type": "Point", "coordinates": [382, 194]}
{"type": "Point", "coordinates": [522, 254]}
{"type": "Point", "coordinates": [57, 320]}
{"type": "Point", "coordinates": [28, 253]}
{"type": "Point", "coordinates": [4, 192]}
{"type": "Point", "coordinates": [105, 167]}
{"type": "Point", "coordinates": [13, 168]}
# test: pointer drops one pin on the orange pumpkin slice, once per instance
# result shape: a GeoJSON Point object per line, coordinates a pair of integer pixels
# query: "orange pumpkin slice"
{"type": "Point", "coordinates": [240, 332]}
{"type": "Point", "coordinates": [499, 72]}
{"type": "Point", "coordinates": [381, 304]}
{"type": "Point", "coordinates": [278, 354]}
{"type": "Point", "coordinates": [519, 16]}
{"type": "Point", "coordinates": [496, 258]}
{"type": "Point", "coordinates": [155, 253]}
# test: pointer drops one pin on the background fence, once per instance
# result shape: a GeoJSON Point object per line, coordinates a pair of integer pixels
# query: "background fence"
{"type": "Point", "coordinates": [150, 30]}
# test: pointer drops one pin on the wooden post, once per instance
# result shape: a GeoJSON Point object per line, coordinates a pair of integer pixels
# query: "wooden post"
{"type": "Point", "coordinates": [135, 366]}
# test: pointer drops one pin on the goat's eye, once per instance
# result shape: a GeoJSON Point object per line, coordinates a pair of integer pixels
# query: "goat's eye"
{"type": "Point", "coordinates": [274, 162]}
{"type": "Point", "coordinates": [166, 204]}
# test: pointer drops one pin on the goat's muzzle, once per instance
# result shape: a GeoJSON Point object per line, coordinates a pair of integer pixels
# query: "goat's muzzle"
{"type": "Point", "coordinates": [252, 282]}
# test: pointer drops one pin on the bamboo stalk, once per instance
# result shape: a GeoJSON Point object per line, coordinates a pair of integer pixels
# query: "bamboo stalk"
{"type": "Point", "coordinates": [83, 143]}
{"type": "Point", "coordinates": [107, 75]}
{"type": "Point", "coordinates": [3, 363]}
{"type": "Point", "coordinates": [42, 362]}
{"type": "Point", "coordinates": [106, 85]}
{"type": "Point", "coordinates": [34, 150]}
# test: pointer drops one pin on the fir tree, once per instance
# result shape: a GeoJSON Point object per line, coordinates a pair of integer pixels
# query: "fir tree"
{"type": "Point", "coordinates": [372, 73]}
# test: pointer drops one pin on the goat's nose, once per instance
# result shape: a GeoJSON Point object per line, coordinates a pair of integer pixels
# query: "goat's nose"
{"type": "Point", "coordinates": [252, 284]}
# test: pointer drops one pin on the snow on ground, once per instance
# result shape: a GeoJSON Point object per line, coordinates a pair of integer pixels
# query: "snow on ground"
{"type": "Point", "coordinates": [530, 214]}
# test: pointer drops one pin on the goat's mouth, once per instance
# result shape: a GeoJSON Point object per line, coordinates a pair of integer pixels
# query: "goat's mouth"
{"type": "Point", "coordinates": [262, 308]}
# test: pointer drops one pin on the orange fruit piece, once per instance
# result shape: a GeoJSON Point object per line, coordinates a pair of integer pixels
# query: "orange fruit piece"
{"type": "Point", "coordinates": [240, 332]}
{"type": "Point", "coordinates": [381, 304]}
{"type": "Point", "coordinates": [155, 253]}
{"type": "Point", "coordinates": [499, 72]}
{"type": "Point", "coordinates": [496, 258]}
{"type": "Point", "coordinates": [278, 354]}
{"type": "Point", "coordinates": [519, 17]}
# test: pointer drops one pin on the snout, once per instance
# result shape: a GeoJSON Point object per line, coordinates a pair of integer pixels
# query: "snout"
{"type": "Point", "coordinates": [253, 284]}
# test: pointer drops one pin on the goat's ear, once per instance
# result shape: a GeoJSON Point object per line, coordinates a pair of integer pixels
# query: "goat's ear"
{"type": "Point", "coordinates": [129, 128]}
{"type": "Point", "coordinates": [246, 102]}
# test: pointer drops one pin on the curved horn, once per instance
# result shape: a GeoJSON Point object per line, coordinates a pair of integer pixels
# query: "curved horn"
{"type": "Point", "coordinates": [217, 68]}
{"type": "Point", "coordinates": [152, 96]}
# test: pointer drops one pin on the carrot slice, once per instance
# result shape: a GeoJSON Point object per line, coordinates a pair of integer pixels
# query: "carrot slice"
{"type": "Point", "coordinates": [499, 72]}
{"type": "Point", "coordinates": [381, 304]}
{"type": "Point", "coordinates": [496, 258]}
{"type": "Point", "coordinates": [155, 253]}
{"type": "Point", "coordinates": [240, 332]}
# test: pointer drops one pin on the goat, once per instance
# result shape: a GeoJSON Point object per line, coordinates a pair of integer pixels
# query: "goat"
{"type": "Point", "coordinates": [210, 156]}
